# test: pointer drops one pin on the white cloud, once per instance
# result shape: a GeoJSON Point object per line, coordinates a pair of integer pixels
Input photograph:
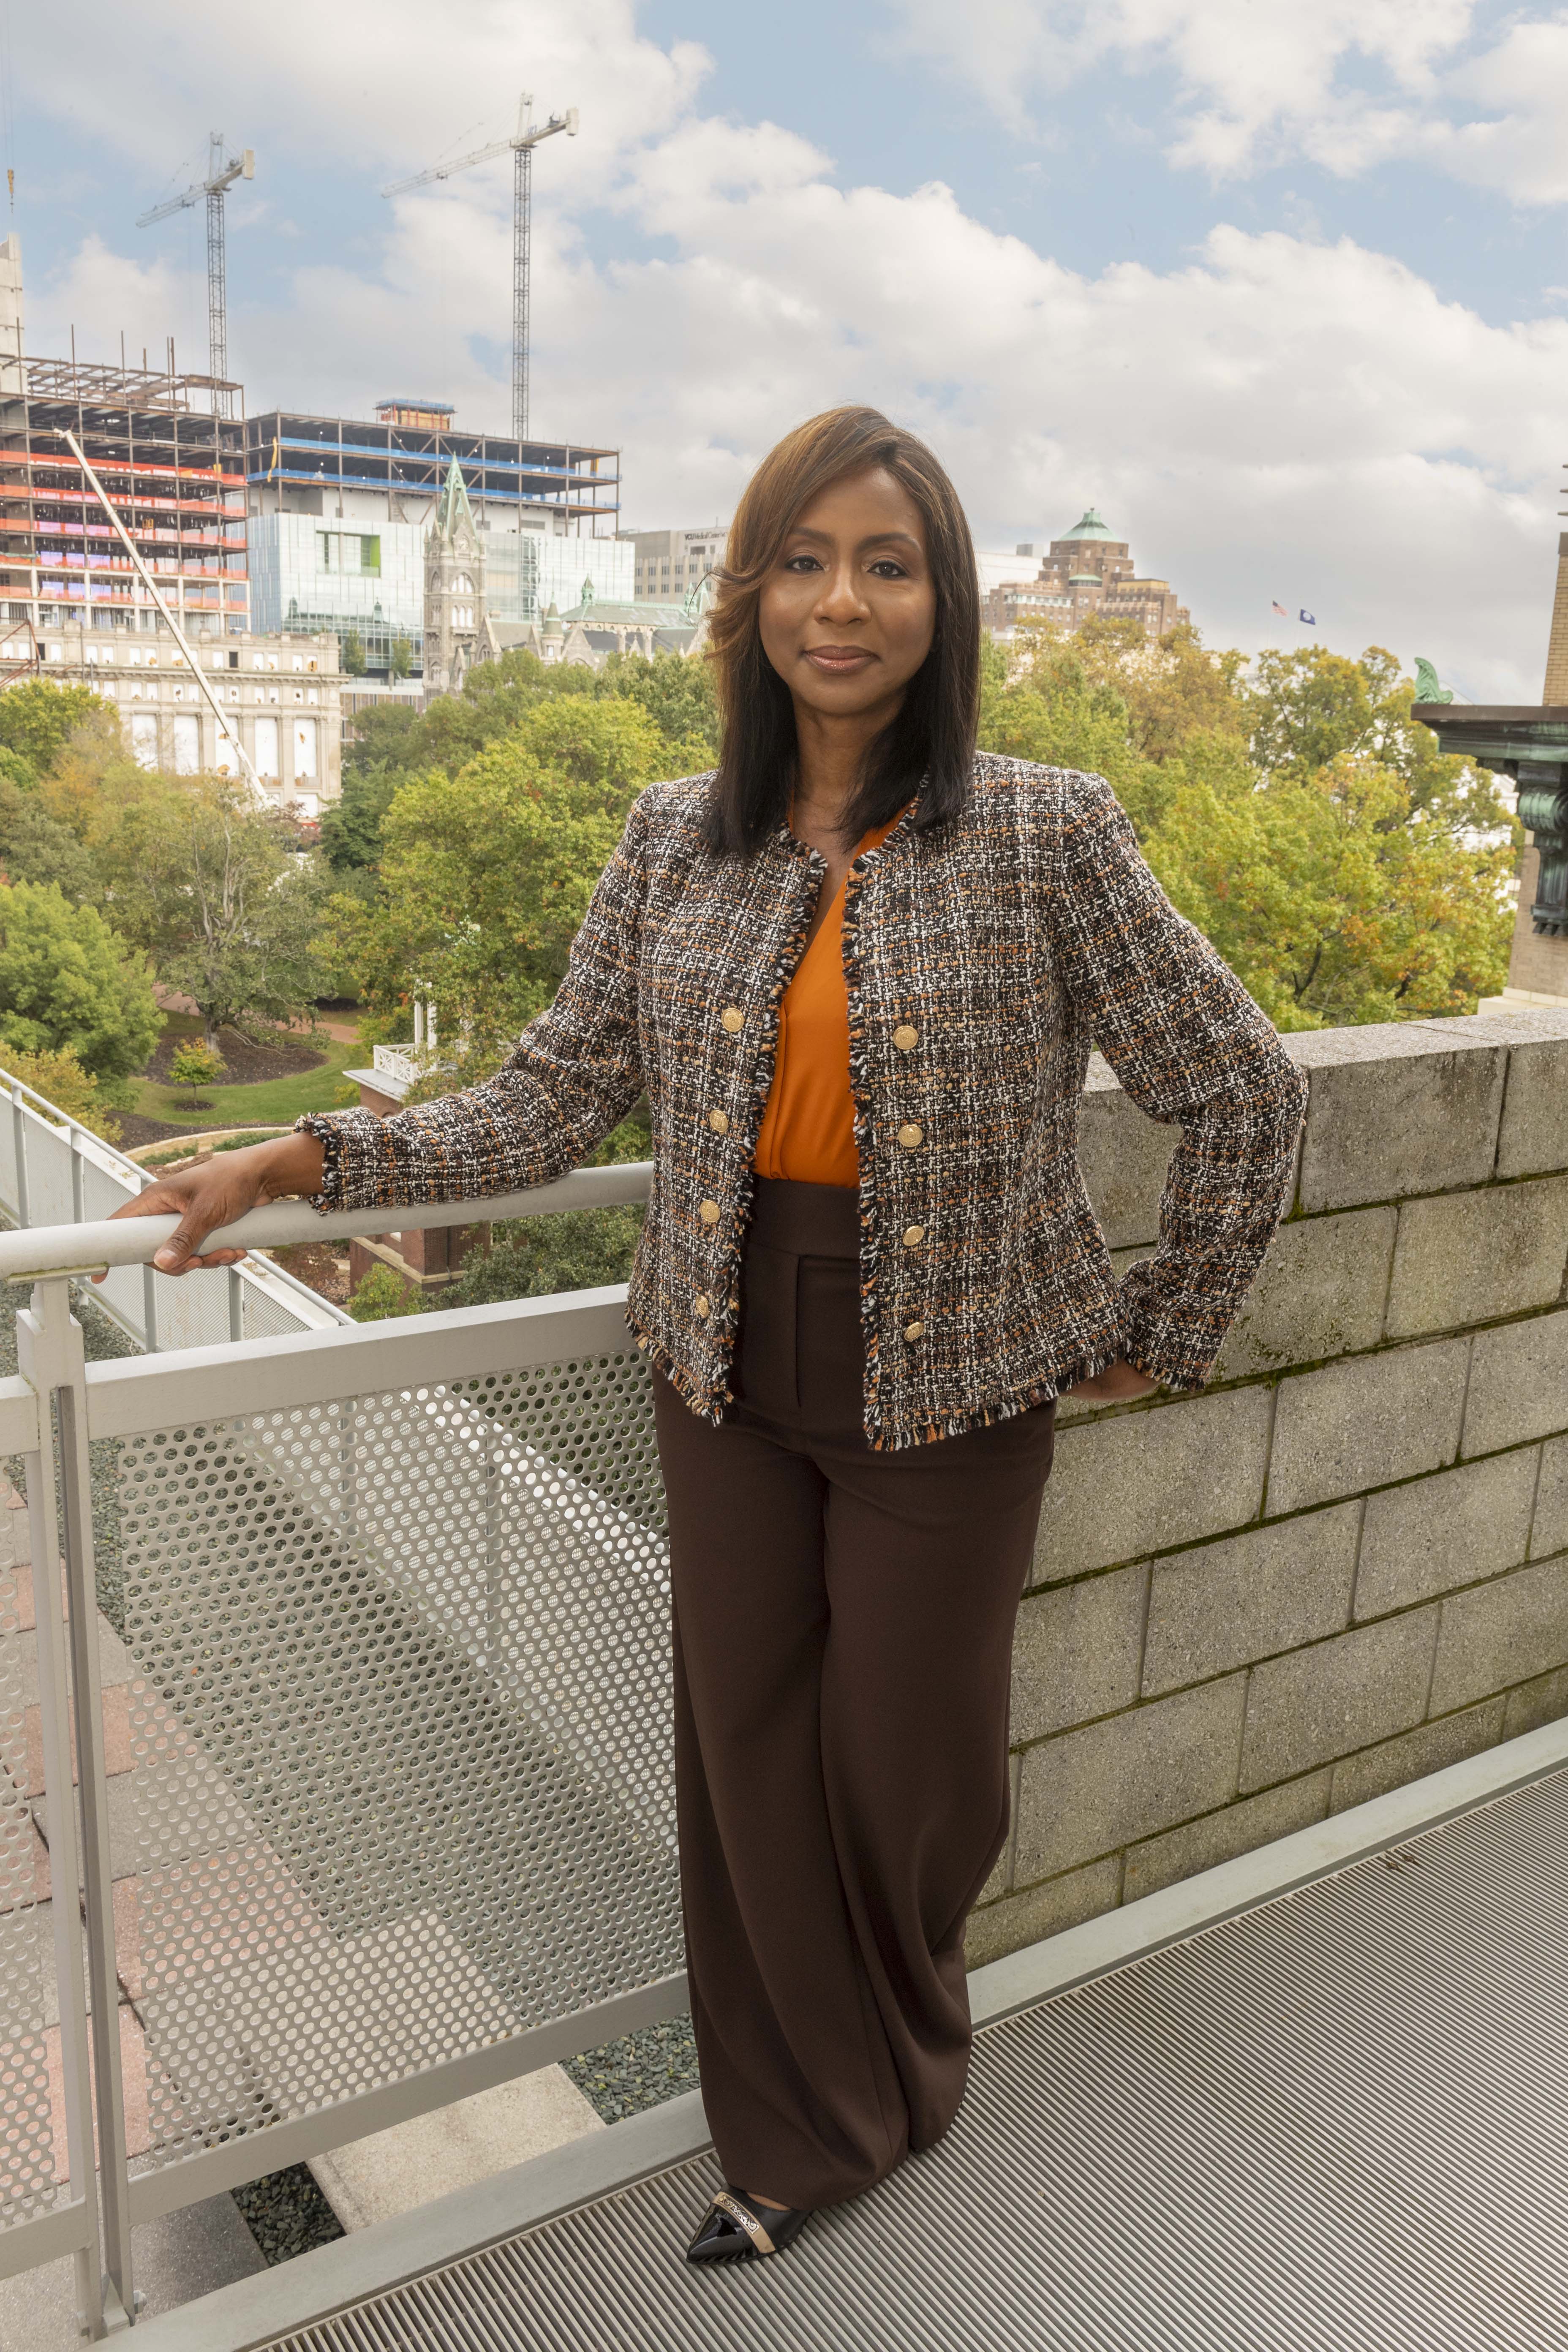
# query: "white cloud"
{"type": "Point", "coordinates": [1279, 417]}
{"type": "Point", "coordinates": [1522, 148]}
{"type": "Point", "coordinates": [1256, 78]}
{"type": "Point", "coordinates": [387, 88]}
{"type": "Point", "coordinates": [1345, 84]}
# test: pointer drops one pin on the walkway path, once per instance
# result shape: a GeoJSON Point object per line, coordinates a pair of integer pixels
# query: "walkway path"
{"type": "Point", "coordinates": [1328, 2122]}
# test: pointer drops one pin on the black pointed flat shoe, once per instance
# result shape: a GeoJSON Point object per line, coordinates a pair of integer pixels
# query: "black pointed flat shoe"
{"type": "Point", "coordinates": [736, 2230]}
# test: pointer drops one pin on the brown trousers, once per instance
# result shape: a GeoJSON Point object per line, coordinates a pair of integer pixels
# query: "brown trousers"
{"type": "Point", "coordinates": [843, 1643]}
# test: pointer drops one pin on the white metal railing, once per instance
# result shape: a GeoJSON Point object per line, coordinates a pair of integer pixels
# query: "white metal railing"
{"type": "Point", "coordinates": [52, 1169]}
{"type": "Point", "coordinates": [395, 1611]}
{"type": "Point", "coordinates": [406, 1064]}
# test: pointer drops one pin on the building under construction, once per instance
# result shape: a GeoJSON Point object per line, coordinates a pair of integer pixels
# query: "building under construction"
{"type": "Point", "coordinates": [339, 508]}
{"type": "Point", "coordinates": [176, 474]}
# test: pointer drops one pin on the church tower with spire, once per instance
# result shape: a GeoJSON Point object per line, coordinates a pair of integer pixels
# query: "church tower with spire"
{"type": "Point", "coordinates": [454, 589]}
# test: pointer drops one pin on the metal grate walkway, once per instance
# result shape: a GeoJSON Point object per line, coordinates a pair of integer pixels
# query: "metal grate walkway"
{"type": "Point", "coordinates": [1336, 2122]}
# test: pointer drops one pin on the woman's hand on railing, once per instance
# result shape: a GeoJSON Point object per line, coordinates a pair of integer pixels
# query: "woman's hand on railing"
{"type": "Point", "coordinates": [219, 1191]}
{"type": "Point", "coordinates": [1118, 1383]}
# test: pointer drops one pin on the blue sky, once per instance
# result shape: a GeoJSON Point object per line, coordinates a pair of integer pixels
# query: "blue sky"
{"type": "Point", "coordinates": [1285, 291]}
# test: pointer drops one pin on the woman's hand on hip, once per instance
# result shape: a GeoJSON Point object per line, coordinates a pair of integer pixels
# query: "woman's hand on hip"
{"type": "Point", "coordinates": [220, 1190]}
{"type": "Point", "coordinates": [1115, 1385]}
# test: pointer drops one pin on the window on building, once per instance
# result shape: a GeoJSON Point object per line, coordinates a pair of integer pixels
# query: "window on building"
{"type": "Point", "coordinates": [349, 551]}
{"type": "Point", "coordinates": [304, 749]}
{"type": "Point", "coordinates": [187, 745]}
{"type": "Point", "coordinates": [144, 738]}
{"type": "Point", "coordinates": [265, 752]}
{"type": "Point", "coordinates": [227, 759]}
{"type": "Point", "coordinates": [462, 585]}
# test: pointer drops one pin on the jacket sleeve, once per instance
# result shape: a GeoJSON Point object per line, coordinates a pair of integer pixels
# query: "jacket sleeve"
{"type": "Point", "coordinates": [573, 1075]}
{"type": "Point", "coordinates": [1192, 1050]}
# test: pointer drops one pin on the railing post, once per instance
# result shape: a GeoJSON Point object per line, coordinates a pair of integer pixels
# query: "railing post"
{"type": "Point", "coordinates": [19, 1135]}
{"type": "Point", "coordinates": [236, 1305]}
{"type": "Point", "coordinates": [493, 1544]}
{"type": "Point", "coordinates": [78, 1177]}
{"type": "Point", "coordinates": [149, 1295]}
{"type": "Point", "coordinates": [51, 1357]}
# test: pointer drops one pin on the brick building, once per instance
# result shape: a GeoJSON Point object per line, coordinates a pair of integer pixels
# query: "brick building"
{"type": "Point", "coordinates": [1086, 570]}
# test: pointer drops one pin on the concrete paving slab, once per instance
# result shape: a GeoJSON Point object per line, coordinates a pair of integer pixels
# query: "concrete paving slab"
{"type": "Point", "coordinates": [392, 2172]}
{"type": "Point", "coordinates": [176, 2258]}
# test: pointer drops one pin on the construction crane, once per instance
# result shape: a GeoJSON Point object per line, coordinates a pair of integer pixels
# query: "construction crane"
{"type": "Point", "coordinates": [221, 176]}
{"type": "Point", "coordinates": [521, 145]}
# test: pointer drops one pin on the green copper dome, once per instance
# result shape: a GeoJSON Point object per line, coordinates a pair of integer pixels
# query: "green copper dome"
{"type": "Point", "coordinates": [1091, 527]}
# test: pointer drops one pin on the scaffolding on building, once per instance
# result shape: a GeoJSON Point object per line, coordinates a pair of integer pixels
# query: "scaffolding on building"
{"type": "Point", "coordinates": [177, 477]}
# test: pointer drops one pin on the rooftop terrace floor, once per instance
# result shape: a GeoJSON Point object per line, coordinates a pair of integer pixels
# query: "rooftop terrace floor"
{"type": "Point", "coordinates": [1313, 2100]}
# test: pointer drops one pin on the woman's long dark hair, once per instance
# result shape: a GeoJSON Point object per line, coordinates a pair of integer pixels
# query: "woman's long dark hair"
{"type": "Point", "coordinates": [933, 734]}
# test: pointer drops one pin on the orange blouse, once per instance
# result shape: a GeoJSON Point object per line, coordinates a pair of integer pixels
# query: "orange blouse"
{"type": "Point", "coordinates": [809, 1127]}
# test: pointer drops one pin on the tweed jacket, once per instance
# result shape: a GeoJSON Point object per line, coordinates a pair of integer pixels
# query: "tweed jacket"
{"type": "Point", "coordinates": [982, 957]}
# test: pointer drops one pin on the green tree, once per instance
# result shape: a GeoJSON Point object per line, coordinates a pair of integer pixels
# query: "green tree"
{"type": "Point", "coordinates": [486, 877]}
{"type": "Point", "coordinates": [381, 1294]}
{"type": "Point", "coordinates": [581, 1249]}
{"type": "Point", "coordinates": [37, 847]}
{"type": "Point", "coordinates": [354, 654]}
{"type": "Point", "coordinates": [1298, 815]}
{"type": "Point", "coordinates": [193, 1066]}
{"type": "Point", "coordinates": [1173, 687]}
{"type": "Point", "coordinates": [1331, 897]}
{"type": "Point", "coordinates": [210, 885]}
{"type": "Point", "coordinates": [68, 983]}
{"type": "Point", "coordinates": [1305, 709]}
{"type": "Point", "coordinates": [497, 698]}
{"type": "Point", "coordinates": [61, 1080]}
{"type": "Point", "coordinates": [351, 825]}
{"type": "Point", "coordinates": [38, 718]}
{"type": "Point", "coordinates": [92, 762]}
{"type": "Point", "coordinates": [677, 691]}
{"type": "Point", "coordinates": [400, 659]}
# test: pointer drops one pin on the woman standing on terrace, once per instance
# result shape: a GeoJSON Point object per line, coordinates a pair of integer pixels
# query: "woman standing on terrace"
{"type": "Point", "coordinates": [858, 972]}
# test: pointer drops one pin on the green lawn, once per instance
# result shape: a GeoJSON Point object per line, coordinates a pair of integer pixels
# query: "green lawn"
{"type": "Point", "coordinates": [273, 1103]}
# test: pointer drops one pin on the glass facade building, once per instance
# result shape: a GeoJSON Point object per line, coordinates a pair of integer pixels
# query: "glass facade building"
{"type": "Point", "coordinates": [339, 508]}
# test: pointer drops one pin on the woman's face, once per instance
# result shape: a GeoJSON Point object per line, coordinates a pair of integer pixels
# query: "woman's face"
{"type": "Point", "coordinates": [847, 612]}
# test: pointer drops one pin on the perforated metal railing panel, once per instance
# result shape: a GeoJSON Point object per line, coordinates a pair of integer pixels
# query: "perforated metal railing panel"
{"type": "Point", "coordinates": [27, 2176]}
{"type": "Point", "coordinates": [1333, 2124]}
{"type": "Point", "coordinates": [400, 1734]}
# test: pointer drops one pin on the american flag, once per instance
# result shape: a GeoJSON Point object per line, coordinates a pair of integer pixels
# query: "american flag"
{"type": "Point", "coordinates": [1284, 615]}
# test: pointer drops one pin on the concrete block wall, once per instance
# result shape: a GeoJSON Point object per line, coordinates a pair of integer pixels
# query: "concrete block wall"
{"type": "Point", "coordinates": [1345, 1564]}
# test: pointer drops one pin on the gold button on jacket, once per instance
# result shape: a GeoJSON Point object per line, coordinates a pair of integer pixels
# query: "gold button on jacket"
{"type": "Point", "coordinates": [717, 1121]}
{"type": "Point", "coordinates": [913, 1236]}
{"type": "Point", "coordinates": [703, 1305]}
{"type": "Point", "coordinates": [905, 1037]}
{"type": "Point", "coordinates": [910, 1135]}
{"type": "Point", "coordinates": [913, 1331]}
{"type": "Point", "coordinates": [709, 1212]}
{"type": "Point", "coordinates": [732, 1018]}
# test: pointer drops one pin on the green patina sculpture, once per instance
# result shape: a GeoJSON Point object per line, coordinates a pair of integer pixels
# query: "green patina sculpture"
{"type": "Point", "coordinates": [1427, 688]}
